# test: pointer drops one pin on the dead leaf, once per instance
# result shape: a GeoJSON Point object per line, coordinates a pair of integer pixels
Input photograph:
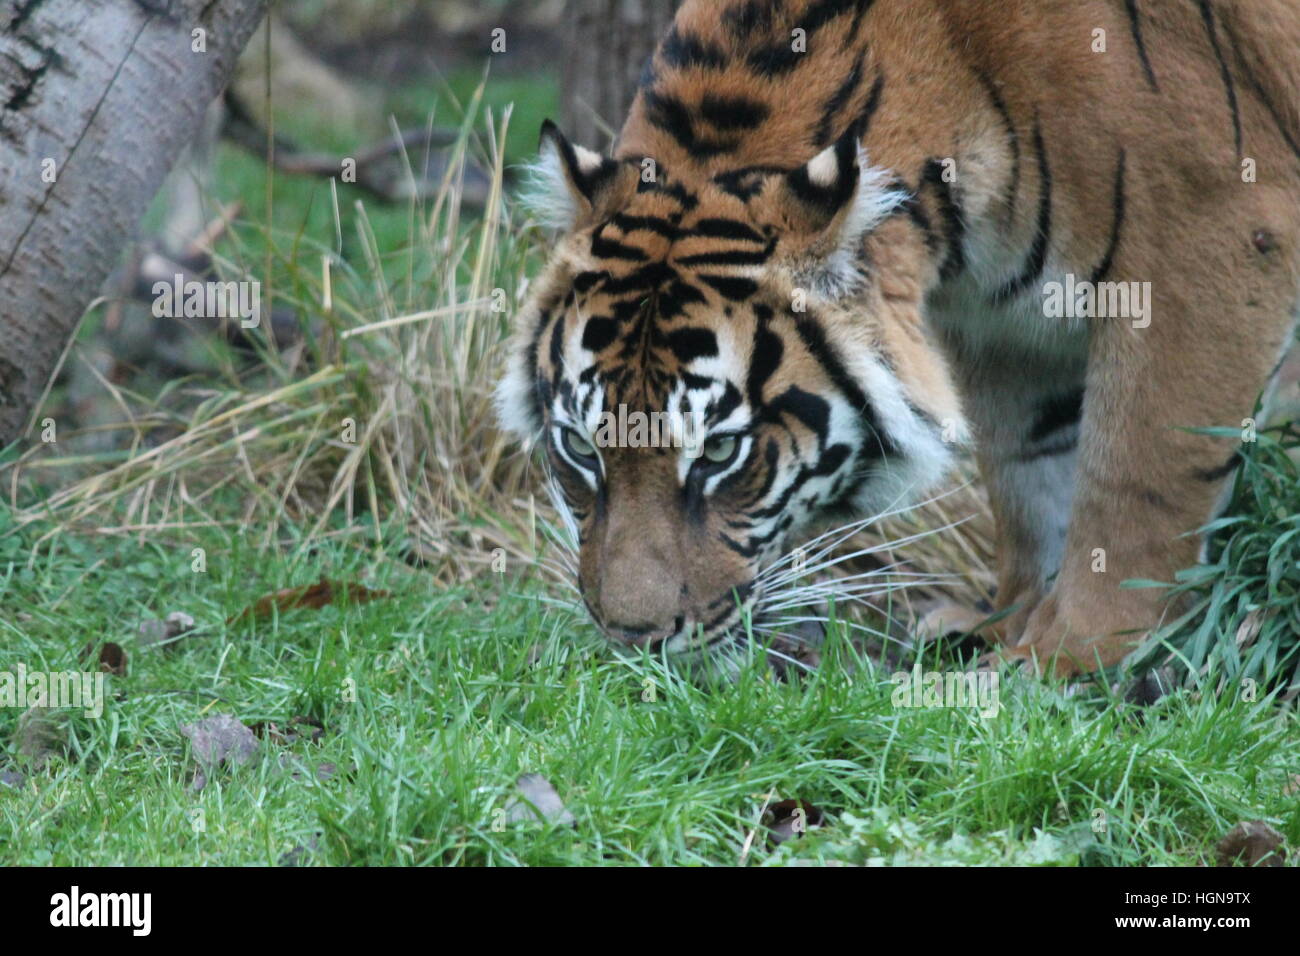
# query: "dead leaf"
{"type": "Point", "coordinates": [1253, 843]}
{"type": "Point", "coordinates": [1249, 628]}
{"type": "Point", "coordinates": [220, 739]}
{"type": "Point", "coordinates": [11, 778]}
{"type": "Point", "coordinates": [315, 596]}
{"type": "Point", "coordinates": [112, 659]}
{"type": "Point", "coordinates": [789, 818]}
{"type": "Point", "coordinates": [537, 801]}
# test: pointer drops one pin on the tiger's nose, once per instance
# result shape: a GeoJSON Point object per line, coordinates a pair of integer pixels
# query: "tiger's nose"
{"type": "Point", "coordinates": [639, 603]}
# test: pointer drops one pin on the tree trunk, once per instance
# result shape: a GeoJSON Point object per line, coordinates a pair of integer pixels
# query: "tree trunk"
{"type": "Point", "coordinates": [97, 99]}
{"type": "Point", "coordinates": [606, 45]}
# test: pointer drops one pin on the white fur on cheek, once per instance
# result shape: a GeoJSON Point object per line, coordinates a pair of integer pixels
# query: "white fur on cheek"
{"type": "Point", "coordinates": [513, 398]}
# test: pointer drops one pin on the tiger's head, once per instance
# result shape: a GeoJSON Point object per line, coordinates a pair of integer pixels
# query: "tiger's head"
{"type": "Point", "coordinates": [712, 366]}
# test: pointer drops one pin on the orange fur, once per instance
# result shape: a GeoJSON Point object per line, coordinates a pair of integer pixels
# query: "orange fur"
{"type": "Point", "coordinates": [1125, 164]}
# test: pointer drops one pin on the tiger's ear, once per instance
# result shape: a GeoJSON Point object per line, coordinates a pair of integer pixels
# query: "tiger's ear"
{"type": "Point", "coordinates": [831, 203]}
{"type": "Point", "coordinates": [568, 183]}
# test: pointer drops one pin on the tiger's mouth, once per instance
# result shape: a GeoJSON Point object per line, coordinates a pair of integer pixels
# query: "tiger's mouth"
{"type": "Point", "coordinates": [721, 624]}
{"type": "Point", "coordinates": [745, 626]}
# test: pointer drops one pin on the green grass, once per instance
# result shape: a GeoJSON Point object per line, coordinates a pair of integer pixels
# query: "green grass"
{"type": "Point", "coordinates": [1242, 617]}
{"type": "Point", "coordinates": [435, 699]}
{"type": "Point", "coordinates": [458, 692]}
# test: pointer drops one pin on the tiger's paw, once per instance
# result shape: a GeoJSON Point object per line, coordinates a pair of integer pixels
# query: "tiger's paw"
{"type": "Point", "coordinates": [1061, 641]}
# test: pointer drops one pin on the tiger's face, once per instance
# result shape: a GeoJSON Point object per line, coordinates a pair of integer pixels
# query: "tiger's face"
{"type": "Point", "coordinates": [711, 368]}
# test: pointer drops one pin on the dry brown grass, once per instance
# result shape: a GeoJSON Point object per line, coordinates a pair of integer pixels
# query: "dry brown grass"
{"type": "Point", "coordinates": [412, 362]}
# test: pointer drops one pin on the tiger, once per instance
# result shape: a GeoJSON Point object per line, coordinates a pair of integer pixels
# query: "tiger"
{"type": "Point", "coordinates": [830, 233]}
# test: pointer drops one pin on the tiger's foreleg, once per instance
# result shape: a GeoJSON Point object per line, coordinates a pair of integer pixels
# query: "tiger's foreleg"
{"type": "Point", "coordinates": [1144, 482]}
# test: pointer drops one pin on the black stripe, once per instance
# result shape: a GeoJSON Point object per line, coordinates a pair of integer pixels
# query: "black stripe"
{"type": "Point", "coordinates": [1117, 219]}
{"type": "Point", "coordinates": [1136, 29]}
{"type": "Point", "coordinates": [647, 278]}
{"type": "Point", "coordinates": [556, 350]}
{"type": "Point", "coordinates": [672, 116]}
{"type": "Point", "coordinates": [1207, 17]}
{"type": "Point", "coordinates": [771, 458]}
{"type": "Point", "coordinates": [1057, 412]}
{"type": "Point", "coordinates": [829, 199]}
{"type": "Point", "coordinates": [731, 287]}
{"type": "Point", "coordinates": [655, 224]}
{"type": "Point", "coordinates": [733, 112]}
{"type": "Point", "coordinates": [812, 410]}
{"type": "Point", "coordinates": [1033, 267]}
{"type": "Point", "coordinates": [814, 340]}
{"type": "Point", "coordinates": [1246, 69]}
{"type": "Point", "coordinates": [830, 461]}
{"type": "Point", "coordinates": [598, 333]}
{"type": "Point", "coordinates": [830, 112]}
{"type": "Point", "coordinates": [748, 18]}
{"type": "Point", "coordinates": [672, 302]}
{"type": "Point", "coordinates": [1059, 447]}
{"type": "Point", "coordinates": [775, 60]}
{"type": "Point", "coordinates": [954, 258]}
{"type": "Point", "coordinates": [663, 187]}
{"type": "Point", "coordinates": [535, 399]}
{"type": "Point", "coordinates": [603, 248]}
{"type": "Point", "coordinates": [584, 281]}
{"type": "Point", "coordinates": [1221, 471]}
{"type": "Point", "coordinates": [729, 257]}
{"type": "Point", "coordinates": [681, 51]}
{"type": "Point", "coordinates": [725, 229]}
{"type": "Point", "coordinates": [765, 357]}
{"type": "Point", "coordinates": [1013, 138]}
{"type": "Point", "coordinates": [824, 11]}
{"type": "Point", "coordinates": [746, 182]}
{"type": "Point", "coordinates": [873, 104]}
{"type": "Point", "coordinates": [922, 221]}
{"type": "Point", "coordinates": [778, 58]}
{"type": "Point", "coordinates": [691, 343]}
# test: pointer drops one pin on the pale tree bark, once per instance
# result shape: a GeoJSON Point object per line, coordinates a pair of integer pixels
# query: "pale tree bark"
{"type": "Point", "coordinates": [607, 43]}
{"type": "Point", "coordinates": [97, 99]}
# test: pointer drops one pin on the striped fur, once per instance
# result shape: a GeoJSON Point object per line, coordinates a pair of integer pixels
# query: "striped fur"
{"type": "Point", "coordinates": [826, 220]}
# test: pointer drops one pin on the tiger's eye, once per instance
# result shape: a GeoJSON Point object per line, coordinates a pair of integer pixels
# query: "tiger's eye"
{"type": "Point", "coordinates": [719, 450]}
{"type": "Point", "coordinates": [578, 446]}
